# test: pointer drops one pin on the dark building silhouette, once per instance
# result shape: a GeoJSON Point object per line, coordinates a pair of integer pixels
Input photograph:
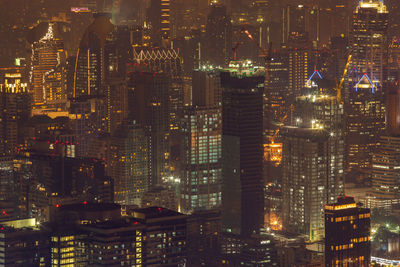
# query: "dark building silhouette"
{"type": "Point", "coordinates": [150, 109]}
{"type": "Point", "coordinates": [242, 150]}
{"type": "Point", "coordinates": [218, 36]}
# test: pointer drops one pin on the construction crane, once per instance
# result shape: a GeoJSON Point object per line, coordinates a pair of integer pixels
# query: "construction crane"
{"type": "Point", "coordinates": [266, 52]}
{"type": "Point", "coordinates": [234, 49]}
{"type": "Point", "coordinates": [272, 150]}
{"type": "Point", "coordinates": [339, 85]}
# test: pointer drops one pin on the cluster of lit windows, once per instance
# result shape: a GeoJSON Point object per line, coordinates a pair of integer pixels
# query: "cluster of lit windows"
{"type": "Point", "coordinates": [360, 239]}
{"type": "Point", "coordinates": [342, 247]}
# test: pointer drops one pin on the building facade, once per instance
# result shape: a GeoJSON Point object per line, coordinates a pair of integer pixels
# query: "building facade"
{"type": "Point", "coordinates": [347, 234]}
{"type": "Point", "coordinates": [242, 149]}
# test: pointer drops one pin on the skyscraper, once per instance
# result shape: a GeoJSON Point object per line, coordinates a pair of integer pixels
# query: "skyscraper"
{"type": "Point", "coordinates": [96, 57]}
{"type": "Point", "coordinates": [129, 163]}
{"type": "Point", "coordinates": [304, 185]}
{"type": "Point", "coordinates": [347, 234]}
{"type": "Point", "coordinates": [15, 104]}
{"type": "Point", "coordinates": [158, 15]}
{"type": "Point", "coordinates": [201, 157]}
{"type": "Point", "coordinates": [366, 82]}
{"type": "Point", "coordinates": [150, 110]}
{"type": "Point", "coordinates": [326, 111]}
{"type": "Point", "coordinates": [242, 150]}
{"type": "Point", "coordinates": [385, 176]}
{"type": "Point", "coordinates": [47, 54]}
{"type": "Point", "coordinates": [219, 36]}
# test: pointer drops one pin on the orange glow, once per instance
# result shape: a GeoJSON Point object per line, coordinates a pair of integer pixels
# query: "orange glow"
{"type": "Point", "coordinates": [273, 153]}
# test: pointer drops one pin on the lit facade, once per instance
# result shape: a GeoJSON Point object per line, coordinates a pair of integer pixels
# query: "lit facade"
{"type": "Point", "coordinates": [347, 234]}
{"type": "Point", "coordinates": [15, 108]}
{"type": "Point", "coordinates": [202, 164]}
{"type": "Point", "coordinates": [385, 168]}
{"type": "Point", "coordinates": [366, 81]}
{"type": "Point", "coordinates": [304, 182]}
{"type": "Point", "coordinates": [159, 20]}
{"type": "Point", "coordinates": [320, 110]}
{"type": "Point", "coordinates": [47, 55]}
{"type": "Point", "coordinates": [129, 164]}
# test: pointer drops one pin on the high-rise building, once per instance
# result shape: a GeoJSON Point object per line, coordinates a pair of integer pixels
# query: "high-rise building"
{"type": "Point", "coordinates": [15, 109]}
{"type": "Point", "coordinates": [150, 110]}
{"type": "Point", "coordinates": [218, 36]}
{"type": "Point", "coordinates": [96, 57]}
{"type": "Point", "coordinates": [129, 163]}
{"type": "Point", "coordinates": [47, 55]}
{"type": "Point", "coordinates": [206, 87]}
{"type": "Point", "coordinates": [24, 244]}
{"type": "Point", "coordinates": [347, 234]}
{"type": "Point", "coordinates": [385, 165]}
{"type": "Point", "coordinates": [168, 62]}
{"type": "Point", "coordinates": [201, 168]}
{"type": "Point", "coordinates": [242, 149]}
{"type": "Point", "coordinates": [165, 236]}
{"type": "Point", "coordinates": [386, 159]}
{"type": "Point", "coordinates": [158, 15]}
{"type": "Point", "coordinates": [366, 82]}
{"type": "Point", "coordinates": [304, 186]}
{"type": "Point", "coordinates": [327, 112]}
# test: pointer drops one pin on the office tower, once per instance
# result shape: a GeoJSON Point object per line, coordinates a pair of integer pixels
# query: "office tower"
{"type": "Point", "coordinates": [304, 185]}
{"type": "Point", "coordinates": [206, 87]}
{"type": "Point", "coordinates": [393, 61]}
{"type": "Point", "coordinates": [294, 24]}
{"type": "Point", "coordinates": [299, 69]}
{"type": "Point", "coordinates": [203, 237]}
{"type": "Point", "coordinates": [114, 242]}
{"type": "Point", "coordinates": [191, 50]}
{"type": "Point", "coordinates": [201, 167]}
{"type": "Point", "coordinates": [165, 236]}
{"type": "Point", "coordinates": [47, 55]}
{"type": "Point", "coordinates": [158, 16]}
{"type": "Point", "coordinates": [386, 159]}
{"type": "Point", "coordinates": [384, 171]}
{"type": "Point", "coordinates": [277, 92]}
{"type": "Point", "coordinates": [150, 110]}
{"type": "Point", "coordinates": [347, 234]}
{"type": "Point", "coordinates": [327, 111]}
{"type": "Point", "coordinates": [97, 57]}
{"type": "Point", "coordinates": [366, 82]}
{"type": "Point", "coordinates": [24, 244]}
{"type": "Point", "coordinates": [55, 177]}
{"type": "Point", "coordinates": [242, 150]}
{"type": "Point", "coordinates": [129, 163]}
{"type": "Point", "coordinates": [218, 36]}
{"type": "Point", "coordinates": [15, 109]}
{"type": "Point", "coordinates": [117, 111]}
{"type": "Point", "coordinates": [167, 61]}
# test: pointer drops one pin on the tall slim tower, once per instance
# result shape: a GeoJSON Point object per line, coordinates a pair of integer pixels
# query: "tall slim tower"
{"type": "Point", "coordinates": [367, 77]}
{"type": "Point", "coordinates": [218, 36]}
{"type": "Point", "coordinates": [312, 161]}
{"type": "Point", "coordinates": [242, 149]}
{"type": "Point", "coordinates": [15, 107]}
{"type": "Point", "coordinates": [158, 15]}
